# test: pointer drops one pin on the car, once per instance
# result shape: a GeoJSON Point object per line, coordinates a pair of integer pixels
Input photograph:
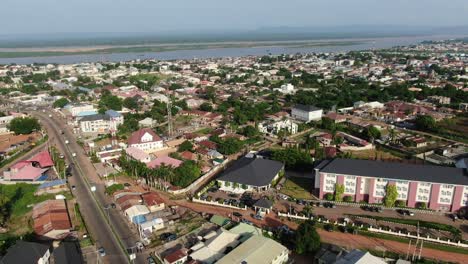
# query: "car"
{"type": "Point", "coordinates": [454, 217]}
{"type": "Point", "coordinates": [73, 187]}
{"type": "Point", "coordinates": [127, 184]}
{"type": "Point", "coordinates": [171, 237]}
{"type": "Point", "coordinates": [50, 115]}
{"type": "Point", "coordinates": [151, 260]}
{"type": "Point", "coordinates": [102, 252]}
{"type": "Point", "coordinates": [258, 217]}
{"type": "Point", "coordinates": [328, 227]}
{"type": "Point", "coordinates": [237, 214]}
{"type": "Point", "coordinates": [245, 221]}
{"type": "Point", "coordinates": [62, 156]}
{"type": "Point", "coordinates": [167, 236]}
{"type": "Point", "coordinates": [410, 213]}
{"type": "Point", "coordinates": [233, 195]}
{"type": "Point", "coordinates": [74, 154]}
{"type": "Point", "coordinates": [300, 202]}
{"type": "Point", "coordinates": [66, 141]}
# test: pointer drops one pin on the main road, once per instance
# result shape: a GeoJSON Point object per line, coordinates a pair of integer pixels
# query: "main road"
{"type": "Point", "coordinates": [107, 226]}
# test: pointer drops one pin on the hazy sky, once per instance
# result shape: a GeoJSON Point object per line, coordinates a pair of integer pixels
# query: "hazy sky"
{"type": "Point", "coordinates": [60, 16]}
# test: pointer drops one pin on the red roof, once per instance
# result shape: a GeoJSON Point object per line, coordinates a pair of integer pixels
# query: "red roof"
{"type": "Point", "coordinates": [176, 255]}
{"type": "Point", "coordinates": [43, 158]}
{"type": "Point", "coordinates": [208, 144]}
{"type": "Point", "coordinates": [164, 160]}
{"type": "Point", "coordinates": [136, 136]}
{"type": "Point", "coordinates": [152, 198]}
{"type": "Point", "coordinates": [187, 155]}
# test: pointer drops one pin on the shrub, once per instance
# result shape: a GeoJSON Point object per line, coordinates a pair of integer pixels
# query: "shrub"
{"type": "Point", "coordinates": [421, 205]}
{"type": "Point", "coordinates": [329, 197]}
{"type": "Point", "coordinates": [400, 203]}
{"type": "Point", "coordinates": [348, 199]}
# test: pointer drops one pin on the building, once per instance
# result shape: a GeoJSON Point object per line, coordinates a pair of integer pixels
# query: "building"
{"type": "Point", "coordinates": [258, 250]}
{"type": "Point", "coordinates": [166, 160]}
{"type": "Point", "coordinates": [101, 123]}
{"type": "Point", "coordinates": [27, 253]}
{"type": "Point", "coordinates": [357, 256]}
{"type": "Point", "coordinates": [146, 140]}
{"type": "Point", "coordinates": [33, 169]}
{"type": "Point", "coordinates": [250, 174]}
{"type": "Point", "coordinates": [306, 113]}
{"type": "Point", "coordinates": [68, 253]}
{"type": "Point", "coordinates": [177, 257]}
{"type": "Point", "coordinates": [439, 188]}
{"type": "Point", "coordinates": [80, 109]}
{"type": "Point", "coordinates": [214, 245]}
{"type": "Point", "coordinates": [51, 219]}
{"type": "Point", "coordinates": [138, 154]}
{"type": "Point", "coordinates": [276, 127]}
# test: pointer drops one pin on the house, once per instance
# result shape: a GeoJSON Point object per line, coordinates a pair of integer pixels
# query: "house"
{"type": "Point", "coordinates": [68, 253]}
{"type": "Point", "coordinates": [166, 160]}
{"type": "Point", "coordinates": [33, 169]}
{"type": "Point", "coordinates": [214, 245]}
{"type": "Point", "coordinates": [138, 154]}
{"type": "Point", "coordinates": [153, 201]}
{"type": "Point", "coordinates": [187, 155]}
{"type": "Point", "coordinates": [80, 109]}
{"type": "Point", "coordinates": [275, 127]}
{"type": "Point", "coordinates": [258, 250]}
{"type": "Point", "coordinates": [51, 219]}
{"type": "Point", "coordinates": [439, 188]}
{"type": "Point", "coordinates": [357, 256]}
{"type": "Point", "coordinates": [145, 139]}
{"type": "Point", "coordinates": [101, 123]}
{"type": "Point", "coordinates": [147, 122]}
{"type": "Point", "coordinates": [136, 213]}
{"type": "Point", "coordinates": [177, 257]}
{"type": "Point", "coordinates": [27, 253]}
{"type": "Point", "coordinates": [336, 118]}
{"type": "Point", "coordinates": [250, 174]}
{"type": "Point", "coordinates": [306, 113]}
{"type": "Point", "coordinates": [54, 186]}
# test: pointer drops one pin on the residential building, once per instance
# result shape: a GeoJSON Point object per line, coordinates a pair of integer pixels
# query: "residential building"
{"type": "Point", "coordinates": [276, 127]}
{"type": "Point", "coordinates": [258, 250]}
{"type": "Point", "coordinates": [80, 109]}
{"type": "Point", "coordinates": [101, 123]}
{"type": "Point", "coordinates": [440, 188]}
{"type": "Point", "coordinates": [250, 174]}
{"type": "Point", "coordinates": [166, 160]}
{"type": "Point", "coordinates": [306, 113]}
{"type": "Point", "coordinates": [357, 256]}
{"type": "Point", "coordinates": [214, 246]}
{"type": "Point", "coordinates": [51, 219]}
{"type": "Point", "coordinates": [27, 253]}
{"type": "Point", "coordinates": [179, 256]}
{"type": "Point", "coordinates": [146, 140]}
{"type": "Point", "coordinates": [68, 253]}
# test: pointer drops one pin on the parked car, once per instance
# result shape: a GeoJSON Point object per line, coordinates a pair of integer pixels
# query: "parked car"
{"type": "Point", "coordinates": [165, 236]}
{"type": "Point", "coordinates": [73, 187]}
{"type": "Point", "coordinates": [102, 252]}
{"type": "Point", "coordinates": [258, 217]}
{"type": "Point", "coordinates": [300, 202]}
{"type": "Point", "coordinates": [454, 217]}
{"type": "Point", "coordinates": [151, 260]}
{"type": "Point", "coordinates": [245, 221]}
{"type": "Point", "coordinates": [237, 214]}
{"type": "Point", "coordinates": [233, 195]}
{"type": "Point", "coordinates": [328, 227]}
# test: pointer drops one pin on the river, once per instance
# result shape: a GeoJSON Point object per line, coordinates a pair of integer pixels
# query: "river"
{"type": "Point", "coordinates": [364, 44]}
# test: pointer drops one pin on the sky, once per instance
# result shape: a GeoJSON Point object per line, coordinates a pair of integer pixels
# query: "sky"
{"type": "Point", "coordinates": [156, 16]}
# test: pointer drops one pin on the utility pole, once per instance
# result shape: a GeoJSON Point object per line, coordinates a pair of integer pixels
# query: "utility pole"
{"type": "Point", "coordinates": [169, 118]}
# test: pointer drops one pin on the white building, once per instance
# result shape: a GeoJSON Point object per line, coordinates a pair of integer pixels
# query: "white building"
{"type": "Point", "coordinates": [306, 113]}
{"type": "Point", "coordinates": [275, 127]}
{"type": "Point", "coordinates": [80, 109]}
{"type": "Point", "coordinates": [286, 89]}
{"type": "Point", "coordinates": [101, 123]}
{"type": "Point", "coordinates": [145, 139]}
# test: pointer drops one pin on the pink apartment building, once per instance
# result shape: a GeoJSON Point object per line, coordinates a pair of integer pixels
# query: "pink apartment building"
{"type": "Point", "coordinates": [440, 188]}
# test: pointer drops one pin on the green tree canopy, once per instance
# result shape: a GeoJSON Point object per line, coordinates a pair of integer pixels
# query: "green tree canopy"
{"type": "Point", "coordinates": [293, 158]}
{"type": "Point", "coordinates": [307, 239]}
{"type": "Point", "coordinates": [185, 146]}
{"type": "Point", "coordinates": [130, 103]}
{"type": "Point", "coordinates": [60, 103]}
{"type": "Point", "coordinates": [206, 107]}
{"type": "Point", "coordinates": [24, 125]}
{"type": "Point", "coordinates": [391, 195]}
{"type": "Point", "coordinates": [425, 123]}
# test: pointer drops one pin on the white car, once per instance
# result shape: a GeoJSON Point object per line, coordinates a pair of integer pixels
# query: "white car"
{"type": "Point", "coordinates": [74, 154]}
{"type": "Point", "coordinates": [66, 142]}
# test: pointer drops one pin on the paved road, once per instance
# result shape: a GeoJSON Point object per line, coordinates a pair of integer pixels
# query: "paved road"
{"type": "Point", "coordinates": [95, 219]}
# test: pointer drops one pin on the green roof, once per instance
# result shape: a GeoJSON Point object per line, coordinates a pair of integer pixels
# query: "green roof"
{"type": "Point", "coordinates": [219, 220]}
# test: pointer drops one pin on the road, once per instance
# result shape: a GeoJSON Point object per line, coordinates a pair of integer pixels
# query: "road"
{"type": "Point", "coordinates": [91, 208]}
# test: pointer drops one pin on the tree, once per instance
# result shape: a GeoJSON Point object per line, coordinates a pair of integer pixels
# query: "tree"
{"type": "Point", "coordinates": [328, 197]}
{"type": "Point", "coordinates": [307, 239]}
{"type": "Point", "coordinates": [24, 125]}
{"type": "Point", "coordinates": [185, 146]}
{"type": "Point", "coordinates": [249, 131]}
{"type": "Point", "coordinates": [421, 205]}
{"type": "Point", "coordinates": [130, 103]}
{"type": "Point", "coordinates": [186, 173]}
{"type": "Point", "coordinates": [372, 133]}
{"type": "Point", "coordinates": [229, 145]}
{"type": "Point", "coordinates": [109, 101]}
{"type": "Point", "coordinates": [425, 123]}
{"type": "Point", "coordinates": [339, 191]}
{"type": "Point", "coordinates": [206, 107]}
{"type": "Point", "coordinates": [293, 158]}
{"type": "Point", "coordinates": [60, 103]}
{"type": "Point", "coordinates": [4, 209]}
{"type": "Point", "coordinates": [391, 195]}
{"type": "Point", "coordinates": [348, 199]}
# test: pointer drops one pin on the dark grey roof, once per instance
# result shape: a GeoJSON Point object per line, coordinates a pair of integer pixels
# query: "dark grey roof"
{"type": "Point", "coordinates": [264, 203]}
{"type": "Point", "coordinates": [95, 117]}
{"type": "Point", "coordinates": [251, 171]}
{"type": "Point", "coordinates": [307, 108]}
{"type": "Point", "coordinates": [394, 170]}
{"type": "Point", "coordinates": [25, 253]}
{"type": "Point", "coordinates": [68, 253]}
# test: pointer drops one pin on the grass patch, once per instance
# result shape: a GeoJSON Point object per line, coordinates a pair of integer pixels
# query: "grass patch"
{"type": "Point", "coordinates": [298, 188]}
{"type": "Point", "coordinates": [427, 244]}
{"type": "Point", "coordinates": [113, 188]}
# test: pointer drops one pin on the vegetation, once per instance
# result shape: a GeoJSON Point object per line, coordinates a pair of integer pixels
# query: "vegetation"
{"type": "Point", "coordinates": [60, 103]}
{"type": "Point", "coordinates": [307, 239]}
{"type": "Point", "coordinates": [185, 146]}
{"type": "Point", "coordinates": [391, 195]}
{"type": "Point", "coordinates": [24, 125]}
{"type": "Point", "coordinates": [425, 123]}
{"type": "Point", "coordinates": [109, 101]}
{"type": "Point", "coordinates": [298, 188]}
{"type": "Point", "coordinates": [339, 191]}
{"type": "Point", "coordinates": [293, 158]}
{"type": "Point", "coordinates": [110, 190]}
{"type": "Point", "coordinates": [228, 146]}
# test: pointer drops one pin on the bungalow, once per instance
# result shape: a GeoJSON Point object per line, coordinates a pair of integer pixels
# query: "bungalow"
{"type": "Point", "coordinates": [51, 220]}
{"type": "Point", "coordinates": [250, 174]}
{"type": "Point", "coordinates": [138, 154]}
{"type": "Point", "coordinates": [166, 160]}
{"type": "Point", "coordinates": [306, 113]}
{"type": "Point", "coordinates": [177, 257]}
{"type": "Point", "coordinates": [153, 201]}
{"type": "Point", "coordinates": [145, 139]}
{"type": "Point", "coordinates": [26, 252]}
{"type": "Point", "coordinates": [136, 213]}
